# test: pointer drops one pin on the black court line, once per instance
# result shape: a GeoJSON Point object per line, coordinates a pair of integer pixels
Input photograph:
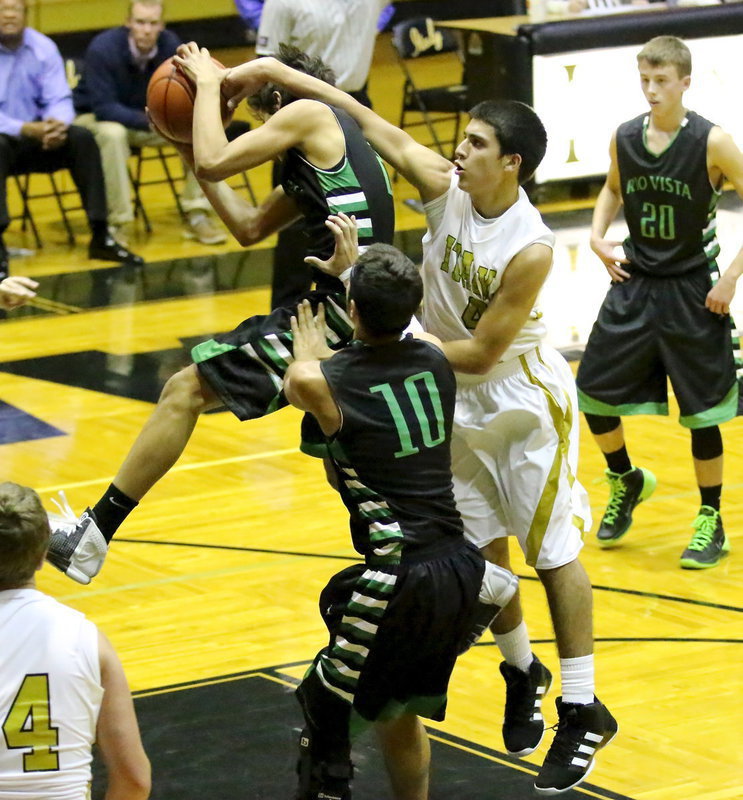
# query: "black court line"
{"type": "Point", "coordinates": [269, 551]}
{"type": "Point", "coordinates": [235, 736]}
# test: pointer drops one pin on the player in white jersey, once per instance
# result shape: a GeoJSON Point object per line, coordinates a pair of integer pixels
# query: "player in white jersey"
{"type": "Point", "coordinates": [515, 444]}
{"type": "Point", "coordinates": [62, 686]}
{"type": "Point", "coordinates": [486, 257]}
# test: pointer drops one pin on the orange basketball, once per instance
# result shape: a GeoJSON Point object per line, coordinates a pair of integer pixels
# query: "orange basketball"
{"type": "Point", "coordinates": [170, 99]}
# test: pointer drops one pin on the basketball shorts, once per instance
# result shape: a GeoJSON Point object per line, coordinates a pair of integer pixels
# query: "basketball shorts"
{"type": "Point", "coordinates": [515, 456]}
{"type": "Point", "coordinates": [395, 632]}
{"type": "Point", "coordinates": [246, 366]}
{"type": "Point", "coordinates": [650, 331]}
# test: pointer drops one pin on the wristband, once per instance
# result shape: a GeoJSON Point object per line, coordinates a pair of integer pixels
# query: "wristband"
{"type": "Point", "coordinates": [345, 276]}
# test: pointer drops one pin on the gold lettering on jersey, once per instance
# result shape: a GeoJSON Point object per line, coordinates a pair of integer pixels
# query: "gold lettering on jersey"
{"type": "Point", "coordinates": [483, 280]}
{"type": "Point", "coordinates": [450, 240]}
{"type": "Point", "coordinates": [477, 280]}
{"type": "Point", "coordinates": [658, 183]}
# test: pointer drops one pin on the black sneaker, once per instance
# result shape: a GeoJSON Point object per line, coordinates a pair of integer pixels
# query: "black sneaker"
{"type": "Point", "coordinates": [319, 780]}
{"type": "Point", "coordinates": [626, 492]}
{"type": "Point", "coordinates": [582, 730]}
{"type": "Point", "coordinates": [108, 249]}
{"type": "Point", "coordinates": [523, 723]}
{"type": "Point", "coordinates": [708, 543]}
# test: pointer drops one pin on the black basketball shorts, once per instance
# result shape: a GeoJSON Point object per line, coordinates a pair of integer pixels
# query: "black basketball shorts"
{"type": "Point", "coordinates": [650, 330]}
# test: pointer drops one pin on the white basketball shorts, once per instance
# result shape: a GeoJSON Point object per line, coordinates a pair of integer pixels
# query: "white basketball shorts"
{"type": "Point", "coordinates": [515, 455]}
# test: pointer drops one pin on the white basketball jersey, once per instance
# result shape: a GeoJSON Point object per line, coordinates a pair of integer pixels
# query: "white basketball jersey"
{"type": "Point", "coordinates": [50, 696]}
{"type": "Point", "coordinates": [464, 258]}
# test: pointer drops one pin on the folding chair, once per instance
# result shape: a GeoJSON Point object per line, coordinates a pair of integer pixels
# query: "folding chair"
{"type": "Point", "coordinates": [170, 173]}
{"type": "Point", "coordinates": [162, 155]}
{"type": "Point", "coordinates": [417, 39]}
{"type": "Point", "coordinates": [23, 185]}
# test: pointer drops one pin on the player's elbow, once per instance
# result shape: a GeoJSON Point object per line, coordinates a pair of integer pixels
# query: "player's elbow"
{"type": "Point", "coordinates": [211, 171]}
{"type": "Point", "coordinates": [474, 359]}
{"type": "Point", "coordinates": [480, 366]}
{"type": "Point", "coordinates": [134, 782]}
{"type": "Point", "coordinates": [248, 234]}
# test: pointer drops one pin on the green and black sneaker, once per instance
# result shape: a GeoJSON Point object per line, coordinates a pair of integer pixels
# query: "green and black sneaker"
{"type": "Point", "coordinates": [708, 543]}
{"type": "Point", "coordinates": [625, 493]}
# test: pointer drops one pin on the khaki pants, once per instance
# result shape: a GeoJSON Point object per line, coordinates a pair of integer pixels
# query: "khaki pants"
{"type": "Point", "coordinates": [115, 143]}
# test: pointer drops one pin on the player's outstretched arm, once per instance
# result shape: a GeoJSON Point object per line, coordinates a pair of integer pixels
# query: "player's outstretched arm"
{"type": "Point", "coordinates": [117, 735]}
{"type": "Point", "coordinates": [215, 158]}
{"type": "Point", "coordinates": [724, 160]}
{"type": "Point", "coordinates": [427, 170]}
{"type": "Point", "coordinates": [506, 314]}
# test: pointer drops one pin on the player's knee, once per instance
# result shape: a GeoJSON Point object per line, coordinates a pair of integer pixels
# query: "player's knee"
{"type": "Point", "coordinates": [706, 443]}
{"type": "Point", "coordinates": [186, 393]}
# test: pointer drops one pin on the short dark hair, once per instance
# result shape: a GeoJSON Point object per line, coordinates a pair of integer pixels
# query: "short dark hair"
{"type": "Point", "coordinates": [667, 51]}
{"type": "Point", "coordinates": [264, 101]}
{"type": "Point", "coordinates": [518, 130]}
{"type": "Point", "coordinates": [387, 289]}
{"type": "Point", "coordinates": [24, 534]}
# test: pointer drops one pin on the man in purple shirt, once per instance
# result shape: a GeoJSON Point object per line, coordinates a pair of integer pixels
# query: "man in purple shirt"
{"type": "Point", "coordinates": [35, 131]}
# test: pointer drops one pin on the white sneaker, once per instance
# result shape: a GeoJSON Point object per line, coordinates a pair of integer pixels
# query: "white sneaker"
{"type": "Point", "coordinates": [204, 229]}
{"type": "Point", "coordinates": [76, 547]}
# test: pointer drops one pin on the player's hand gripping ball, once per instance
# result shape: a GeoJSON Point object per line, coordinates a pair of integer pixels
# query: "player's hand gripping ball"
{"type": "Point", "coordinates": [170, 100]}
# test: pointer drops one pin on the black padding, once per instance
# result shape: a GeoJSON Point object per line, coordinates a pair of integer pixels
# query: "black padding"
{"type": "Point", "coordinates": [633, 28]}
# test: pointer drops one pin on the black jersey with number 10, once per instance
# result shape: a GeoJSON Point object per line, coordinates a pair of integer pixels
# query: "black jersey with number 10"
{"type": "Point", "coordinates": [392, 450]}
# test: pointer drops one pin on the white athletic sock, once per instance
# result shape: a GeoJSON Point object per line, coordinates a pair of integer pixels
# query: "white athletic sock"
{"type": "Point", "coordinates": [577, 680]}
{"type": "Point", "coordinates": [515, 647]}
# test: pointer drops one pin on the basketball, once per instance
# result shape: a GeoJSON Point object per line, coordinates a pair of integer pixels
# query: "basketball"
{"type": "Point", "coordinates": [170, 99]}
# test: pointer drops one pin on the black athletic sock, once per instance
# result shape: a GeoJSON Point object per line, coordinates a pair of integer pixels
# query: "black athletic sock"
{"type": "Point", "coordinates": [618, 461]}
{"type": "Point", "coordinates": [111, 510]}
{"type": "Point", "coordinates": [711, 496]}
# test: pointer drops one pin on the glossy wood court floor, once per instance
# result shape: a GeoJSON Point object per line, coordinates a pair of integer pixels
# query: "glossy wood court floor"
{"type": "Point", "coordinates": [210, 590]}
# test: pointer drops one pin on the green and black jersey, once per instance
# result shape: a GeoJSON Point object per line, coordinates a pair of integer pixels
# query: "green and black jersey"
{"type": "Point", "coordinates": [669, 203]}
{"type": "Point", "coordinates": [357, 185]}
{"type": "Point", "coordinates": [392, 450]}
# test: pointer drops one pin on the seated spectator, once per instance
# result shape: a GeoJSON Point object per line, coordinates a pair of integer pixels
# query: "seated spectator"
{"type": "Point", "coordinates": [110, 101]}
{"type": "Point", "coordinates": [53, 653]}
{"type": "Point", "coordinates": [36, 134]}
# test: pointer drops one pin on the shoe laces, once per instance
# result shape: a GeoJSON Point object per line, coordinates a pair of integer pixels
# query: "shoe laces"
{"type": "Point", "coordinates": [66, 514]}
{"type": "Point", "coordinates": [705, 527]}
{"type": "Point", "coordinates": [66, 520]}
{"type": "Point", "coordinates": [566, 741]}
{"type": "Point", "coordinates": [617, 490]}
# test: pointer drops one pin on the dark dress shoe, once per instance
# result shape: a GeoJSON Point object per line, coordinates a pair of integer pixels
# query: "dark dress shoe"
{"type": "Point", "coordinates": [108, 249]}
